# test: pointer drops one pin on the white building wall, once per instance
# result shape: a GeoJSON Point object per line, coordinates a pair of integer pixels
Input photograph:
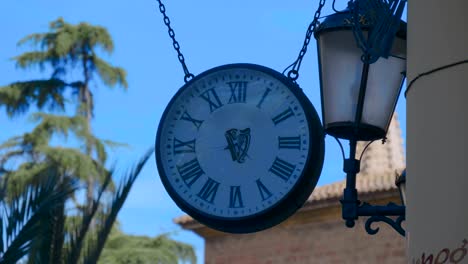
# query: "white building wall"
{"type": "Point", "coordinates": [437, 132]}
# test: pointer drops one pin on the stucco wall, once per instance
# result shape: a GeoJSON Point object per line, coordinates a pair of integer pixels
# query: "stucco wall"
{"type": "Point", "coordinates": [437, 129]}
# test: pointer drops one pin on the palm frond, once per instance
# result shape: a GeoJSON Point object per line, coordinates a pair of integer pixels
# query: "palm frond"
{"type": "Point", "coordinates": [79, 233]}
{"type": "Point", "coordinates": [118, 201]}
{"type": "Point", "coordinates": [22, 219]}
{"type": "Point", "coordinates": [48, 248]}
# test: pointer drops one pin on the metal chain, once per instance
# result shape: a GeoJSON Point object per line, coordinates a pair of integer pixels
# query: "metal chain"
{"type": "Point", "coordinates": [188, 76]}
{"type": "Point", "coordinates": [293, 73]}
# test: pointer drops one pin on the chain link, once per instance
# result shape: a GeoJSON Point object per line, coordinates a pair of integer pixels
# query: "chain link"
{"type": "Point", "coordinates": [293, 73]}
{"type": "Point", "coordinates": [188, 76]}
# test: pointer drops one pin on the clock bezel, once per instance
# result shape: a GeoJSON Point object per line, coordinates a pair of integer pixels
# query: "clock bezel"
{"type": "Point", "coordinates": [289, 203]}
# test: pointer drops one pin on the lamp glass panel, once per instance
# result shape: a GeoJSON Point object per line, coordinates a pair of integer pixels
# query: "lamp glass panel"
{"type": "Point", "coordinates": [383, 87]}
{"type": "Point", "coordinates": [341, 70]}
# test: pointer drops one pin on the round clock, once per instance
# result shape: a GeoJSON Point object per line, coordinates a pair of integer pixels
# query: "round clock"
{"type": "Point", "coordinates": [240, 148]}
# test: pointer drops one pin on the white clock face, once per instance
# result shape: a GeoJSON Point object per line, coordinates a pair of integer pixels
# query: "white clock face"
{"type": "Point", "coordinates": [233, 143]}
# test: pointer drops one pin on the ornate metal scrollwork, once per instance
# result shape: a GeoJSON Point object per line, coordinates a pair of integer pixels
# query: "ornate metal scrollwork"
{"type": "Point", "coordinates": [396, 224]}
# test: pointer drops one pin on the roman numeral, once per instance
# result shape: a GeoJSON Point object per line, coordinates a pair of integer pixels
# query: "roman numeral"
{"type": "Point", "coordinates": [264, 192]}
{"type": "Point", "coordinates": [197, 123]}
{"type": "Point", "coordinates": [235, 198]}
{"type": "Point", "coordinates": [183, 146]}
{"type": "Point", "coordinates": [212, 98]}
{"type": "Point", "coordinates": [190, 172]}
{"type": "Point", "coordinates": [283, 116]}
{"type": "Point", "coordinates": [238, 92]}
{"type": "Point", "coordinates": [208, 191]}
{"type": "Point", "coordinates": [289, 142]}
{"type": "Point", "coordinates": [267, 91]}
{"type": "Point", "coordinates": [282, 169]}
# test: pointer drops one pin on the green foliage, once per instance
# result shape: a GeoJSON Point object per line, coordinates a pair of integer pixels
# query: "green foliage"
{"type": "Point", "coordinates": [35, 152]}
{"type": "Point", "coordinates": [111, 76]}
{"type": "Point", "coordinates": [80, 225]}
{"type": "Point", "coordinates": [56, 124]}
{"type": "Point", "coordinates": [126, 249]}
{"type": "Point", "coordinates": [26, 218]}
{"type": "Point", "coordinates": [65, 48]}
{"type": "Point", "coordinates": [59, 241]}
{"type": "Point", "coordinates": [64, 42]}
{"type": "Point", "coordinates": [44, 225]}
{"type": "Point", "coordinates": [110, 212]}
{"type": "Point", "coordinates": [18, 97]}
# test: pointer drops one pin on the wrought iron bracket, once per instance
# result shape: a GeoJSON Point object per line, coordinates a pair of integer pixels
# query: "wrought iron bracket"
{"type": "Point", "coordinates": [352, 208]}
{"type": "Point", "coordinates": [396, 224]}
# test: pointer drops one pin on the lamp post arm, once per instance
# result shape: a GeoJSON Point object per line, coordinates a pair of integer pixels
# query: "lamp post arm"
{"type": "Point", "coordinates": [391, 209]}
{"type": "Point", "coordinates": [352, 208]}
{"type": "Point", "coordinates": [380, 213]}
{"type": "Point", "coordinates": [350, 202]}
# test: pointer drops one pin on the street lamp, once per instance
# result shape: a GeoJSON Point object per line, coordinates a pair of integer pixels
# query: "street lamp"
{"type": "Point", "coordinates": [362, 63]}
{"type": "Point", "coordinates": [401, 183]}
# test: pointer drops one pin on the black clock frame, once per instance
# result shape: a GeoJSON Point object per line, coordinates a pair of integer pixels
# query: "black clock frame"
{"type": "Point", "coordinates": [287, 205]}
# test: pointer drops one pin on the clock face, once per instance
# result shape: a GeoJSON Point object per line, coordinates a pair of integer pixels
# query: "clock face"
{"type": "Point", "coordinates": [239, 148]}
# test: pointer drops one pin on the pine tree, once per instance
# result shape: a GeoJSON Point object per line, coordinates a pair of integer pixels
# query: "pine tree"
{"type": "Point", "coordinates": [65, 48]}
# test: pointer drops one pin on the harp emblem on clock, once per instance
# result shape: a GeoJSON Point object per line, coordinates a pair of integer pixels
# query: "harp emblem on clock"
{"type": "Point", "coordinates": [238, 143]}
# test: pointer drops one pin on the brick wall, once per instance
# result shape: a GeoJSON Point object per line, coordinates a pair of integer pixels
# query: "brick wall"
{"type": "Point", "coordinates": [301, 240]}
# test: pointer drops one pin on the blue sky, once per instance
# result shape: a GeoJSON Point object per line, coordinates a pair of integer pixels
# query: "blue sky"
{"type": "Point", "coordinates": [211, 33]}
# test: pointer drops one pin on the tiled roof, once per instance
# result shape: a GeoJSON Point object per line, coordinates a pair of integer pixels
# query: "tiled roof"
{"type": "Point", "coordinates": [365, 185]}
{"type": "Point", "coordinates": [183, 219]}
